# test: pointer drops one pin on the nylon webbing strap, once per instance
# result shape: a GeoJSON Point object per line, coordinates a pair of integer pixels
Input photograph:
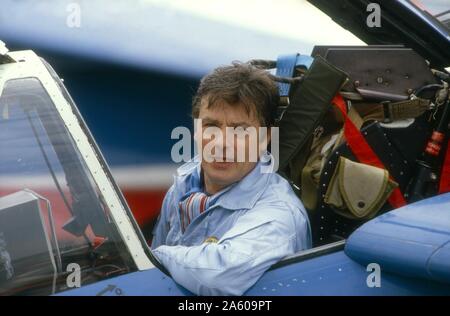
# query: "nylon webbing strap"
{"type": "Point", "coordinates": [362, 150]}
{"type": "Point", "coordinates": [285, 68]}
{"type": "Point", "coordinates": [387, 112]}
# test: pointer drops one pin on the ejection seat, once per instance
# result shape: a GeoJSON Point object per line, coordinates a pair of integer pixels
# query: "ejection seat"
{"type": "Point", "coordinates": [386, 94]}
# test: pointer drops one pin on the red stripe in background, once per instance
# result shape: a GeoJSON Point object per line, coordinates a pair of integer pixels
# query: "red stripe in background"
{"type": "Point", "coordinates": [144, 204]}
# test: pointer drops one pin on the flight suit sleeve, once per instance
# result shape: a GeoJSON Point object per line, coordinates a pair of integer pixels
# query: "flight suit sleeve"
{"type": "Point", "coordinates": [231, 266]}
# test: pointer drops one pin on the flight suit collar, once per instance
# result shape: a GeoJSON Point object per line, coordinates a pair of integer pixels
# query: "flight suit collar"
{"type": "Point", "coordinates": [240, 195]}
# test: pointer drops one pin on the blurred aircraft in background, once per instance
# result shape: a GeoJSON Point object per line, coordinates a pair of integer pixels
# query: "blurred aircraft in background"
{"type": "Point", "coordinates": [133, 67]}
{"type": "Point", "coordinates": [133, 72]}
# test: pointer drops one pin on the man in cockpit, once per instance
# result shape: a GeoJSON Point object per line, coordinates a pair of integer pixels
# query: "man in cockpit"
{"type": "Point", "coordinates": [224, 222]}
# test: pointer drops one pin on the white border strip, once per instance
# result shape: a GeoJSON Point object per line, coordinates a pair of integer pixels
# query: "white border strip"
{"type": "Point", "coordinates": [158, 177]}
{"type": "Point", "coordinates": [147, 178]}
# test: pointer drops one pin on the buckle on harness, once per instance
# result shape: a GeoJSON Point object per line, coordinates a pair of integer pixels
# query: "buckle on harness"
{"type": "Point", "coordinates": [280, 112]}
{"type": "Point", "coordinates": [387, 111]}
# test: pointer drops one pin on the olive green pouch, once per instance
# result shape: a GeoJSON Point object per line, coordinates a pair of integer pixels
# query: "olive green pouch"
{"type": "Point", "coordinates": [358, 191]}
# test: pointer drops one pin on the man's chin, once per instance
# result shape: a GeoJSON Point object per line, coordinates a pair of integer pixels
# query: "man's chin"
{"type": "Point", "coordinates": [223, 173]}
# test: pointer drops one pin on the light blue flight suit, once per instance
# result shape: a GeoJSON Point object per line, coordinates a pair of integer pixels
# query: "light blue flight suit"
{"type": "Point", "coordinates": [248, 226]}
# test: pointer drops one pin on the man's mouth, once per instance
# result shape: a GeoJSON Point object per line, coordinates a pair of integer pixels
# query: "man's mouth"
{"type": "Point", "coordinates": [221, 165]}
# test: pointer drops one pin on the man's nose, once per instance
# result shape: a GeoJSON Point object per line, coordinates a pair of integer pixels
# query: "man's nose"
{"type": "Point", "coordinates": [225, 143]}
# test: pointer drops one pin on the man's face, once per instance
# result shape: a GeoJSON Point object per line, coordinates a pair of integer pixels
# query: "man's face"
{"type": "Point", "coordinates": [229, 158]}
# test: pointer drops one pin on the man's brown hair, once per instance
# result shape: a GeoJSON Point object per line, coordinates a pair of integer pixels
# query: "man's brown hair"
{"type": "Point", "coordinates": [240, 82]}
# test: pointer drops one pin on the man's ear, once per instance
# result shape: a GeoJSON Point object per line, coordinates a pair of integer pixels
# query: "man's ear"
{"type": "Point", "coordinates": [198, 135]}
{"type": "Point", "coordinates": [267, 143]}
{"type": "Point", "coordinates": [198, 128]}
{"type": "Point", "coordinates": [269, 135]}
